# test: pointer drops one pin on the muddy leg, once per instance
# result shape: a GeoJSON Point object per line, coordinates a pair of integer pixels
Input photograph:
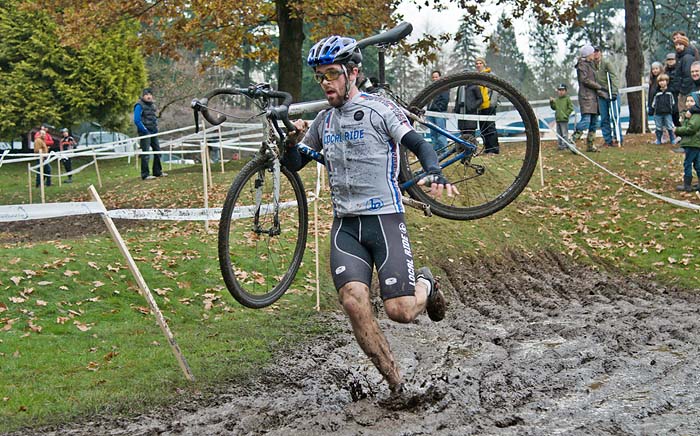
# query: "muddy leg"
{"type": "Point", "coordinates": [406, 309]}
{"type": "Point", "coordinates": [354, 297]}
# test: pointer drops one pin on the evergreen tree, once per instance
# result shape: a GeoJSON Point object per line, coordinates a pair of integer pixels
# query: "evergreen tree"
{"type": "Point", "coordinates": [547, 69]}
{"type": "Point", "coordinates": [662, 18]}
{"type": "Point", "coordinates": [507, 61]}
{"type": "Point", "coordinates": [43, 81]}
{"type": "Point", "coordinates": [466, 48]}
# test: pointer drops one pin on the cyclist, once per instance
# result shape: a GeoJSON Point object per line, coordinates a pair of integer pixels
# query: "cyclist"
{"type": "Point", "coordinates": [359, 137]}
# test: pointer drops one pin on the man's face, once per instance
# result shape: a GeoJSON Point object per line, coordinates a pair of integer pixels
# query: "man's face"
{"type": "Point", "coordinates": [148, 97]}
{"type": "Point", "coordinates": [695, 71]}
{"type": "Point", "coordinates": [479, 66]}
{"type": "Point", "coordinates": [679, 47]}
{"type": "Point", "coordinates": [333, 83]}
{"type": "Point", "coordinates": [435, 76]}
{"type": "Point", "coordinates": [597, 56]}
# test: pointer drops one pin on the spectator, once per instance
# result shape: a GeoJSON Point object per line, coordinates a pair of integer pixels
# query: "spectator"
{"type": "Point", "coordinates": [563, 108]}
{"type": "Point", "coordinates": [656, 69]}
{"type": "Point", "coordinates": [439, 104]}
{"type": "Point", "coordinates": [609, 108]}
{"type": "Point", "coordinates": [662, 105]}
{"type": "Point", "coordinates": [67, 144]}
{"type": "Point", "coordinates": [488, 107]}
{"type": "Point", "coordinates": [674, 84]}
{"type": "Point", "coordinates": [588, 92]}
{"type": "Point", "coordinates": [695, 76]}
{"type": "Point", "coordinates": [467, 103]}
{"type": "Point", "coordinates": [690, 131]}
{"type": "Point", "coordinates": [48, 139]}
{"type": "Point", "coordinates": [42, 148]}
{"type": "Point", "coordinates": [146, 122]}
{"type": "Point", "coordinates": [685, 56]}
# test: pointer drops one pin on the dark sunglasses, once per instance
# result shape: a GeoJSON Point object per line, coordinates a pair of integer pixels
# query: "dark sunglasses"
{"type": "Point", "coordinates": [329, 75]}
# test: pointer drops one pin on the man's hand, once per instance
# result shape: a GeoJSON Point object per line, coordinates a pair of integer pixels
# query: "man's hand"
{"type": "Point", "coordinates": [603, 94]}
{"type": "Point", "coordinates": [294, 137]}
{"type": "Point", "coordinates": [438, 183]}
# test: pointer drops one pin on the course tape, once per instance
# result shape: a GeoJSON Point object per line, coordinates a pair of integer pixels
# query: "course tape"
{"type": "Point", "coordinates": [673, 201]}
{"type": "Point", "coordinates": [25, 212]}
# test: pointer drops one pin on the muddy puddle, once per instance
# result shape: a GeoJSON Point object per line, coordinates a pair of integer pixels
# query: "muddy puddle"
{"type": "Point", "coordinates": [530, 346]}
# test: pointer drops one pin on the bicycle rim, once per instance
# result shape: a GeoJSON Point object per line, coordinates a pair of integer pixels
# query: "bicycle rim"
{"type": "Point", "coordinates": [259, 259]}
{"type": "Point", "coordinates": [506, 136]}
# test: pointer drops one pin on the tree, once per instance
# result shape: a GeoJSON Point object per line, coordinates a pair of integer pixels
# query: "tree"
{"type": "Point", "coordinates": [548, 71]}
{"type": "Point", "coordinates": [466, 48]}
{"type": "Point", "coordinates": [44, 81]}
{"type": "Point", "coordinates": [231, 26]}
{"type": "Point", "coordinates": [664, 18]}
{"type": "Point", "coordinates": [635, 63]}
{"type": "Point", "coordinates": [507, 61]}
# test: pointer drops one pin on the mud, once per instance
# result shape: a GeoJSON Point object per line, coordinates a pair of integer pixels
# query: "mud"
{"type": "Point", "coordinates": [530, 346]}
{"type": "Point", "coordinates": [58, 229]}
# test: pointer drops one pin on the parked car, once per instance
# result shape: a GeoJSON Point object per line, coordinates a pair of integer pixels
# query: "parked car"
{"type": "Point", "coordinates": [124, 142]}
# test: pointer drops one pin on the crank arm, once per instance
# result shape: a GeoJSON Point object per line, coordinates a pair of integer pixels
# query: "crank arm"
{"type": "Point", "coordinates": [408, 201]}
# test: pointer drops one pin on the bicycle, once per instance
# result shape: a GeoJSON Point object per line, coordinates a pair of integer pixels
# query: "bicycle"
{"type": "Point", "coordinates": [269, 204]}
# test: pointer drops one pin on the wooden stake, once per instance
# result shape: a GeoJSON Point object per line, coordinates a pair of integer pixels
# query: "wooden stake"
{"type": "Point", "coordinates": [645, 126]}
{"type": "Point", "coordinates": [318, 286]}
{"type": "Point", "coordinates": [29, 177]}
{"type": "Point", "coordinates": [143, 287]}
{"type": "Point", "coordinates": [221, 151]}
{"type": "Point", "coordinates": [41, 176]}
{"type": "Point", "coordinates": [59, 171]}
{"type": "Point", "coordinates": [97, 169]}
{"type": "Point", "coordinates": [203, 153]}
{"type": "Point", "coordinates": [541, 169]}
{"type": "Point", "coordinates": [170, 158]}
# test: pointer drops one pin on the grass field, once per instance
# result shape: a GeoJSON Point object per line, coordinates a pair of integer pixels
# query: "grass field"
{"type": "Point", "coordinates": [77, 338]}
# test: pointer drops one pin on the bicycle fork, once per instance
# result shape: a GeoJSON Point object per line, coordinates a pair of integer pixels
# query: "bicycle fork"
{"type": "Point", "coordinates": [259, 189]}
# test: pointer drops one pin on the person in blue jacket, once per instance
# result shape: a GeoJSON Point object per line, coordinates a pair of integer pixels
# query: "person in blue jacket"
{"type": "Point", "coordinates": [146, 120]}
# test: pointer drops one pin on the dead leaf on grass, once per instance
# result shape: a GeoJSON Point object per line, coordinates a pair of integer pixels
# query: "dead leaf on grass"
{"type": "Point", "coordinates": [93, 366]}
{"type": "Point", "coordinates": [41, 303]}
{"type": "Point", "coordinates": [15, 260]}
{"type": "Point", "coordinates": [69, 273]}
{"type": "Point", "coordinates": [81, 326]}
{"type": "Point", "coordinates": [93, 265]}
{"type": "Point", "coordinates": [44, 283]}
{"type": "Point", "coordinates": [16, 280]}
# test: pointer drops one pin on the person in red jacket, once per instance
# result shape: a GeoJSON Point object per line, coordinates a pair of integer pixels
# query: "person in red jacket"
{"type": "Point", "coordinates": [47, 136]}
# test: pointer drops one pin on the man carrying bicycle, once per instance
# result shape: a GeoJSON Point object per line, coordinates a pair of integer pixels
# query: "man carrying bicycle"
{"type": "Point", "coordinates": [359, 136]}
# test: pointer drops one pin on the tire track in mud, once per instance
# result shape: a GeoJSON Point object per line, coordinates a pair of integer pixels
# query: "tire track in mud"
{"type": "Point", "coordinates": [533, 345]}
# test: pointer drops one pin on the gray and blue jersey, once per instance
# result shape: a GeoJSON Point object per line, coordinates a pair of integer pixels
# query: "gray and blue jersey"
{"type": "Point", "coordinates": [360, 142]}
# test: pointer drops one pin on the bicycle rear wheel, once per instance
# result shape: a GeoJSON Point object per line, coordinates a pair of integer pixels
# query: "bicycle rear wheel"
{"type": "Point", "coordinates": [262, 239]}
{"type": "Point", "coordinates": [506, 136]}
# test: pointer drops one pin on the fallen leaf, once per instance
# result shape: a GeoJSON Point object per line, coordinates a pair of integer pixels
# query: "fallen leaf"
{"type": "Point", "coordinates": [17, 300]}
{"type": "Point", "coordinates": [41, 303]}
{"type": "Point", "coordinates": [16, 280]}
{"type": "Point", "coordinates": [62, 320]}
{"type": "Point", "coordinates": [44, 283]}
{"type": "Point", "coordinates": [29, 272]}
{"type": "Point", "coordinates": [3, 307]}
{"type": "Point", "coordinates": [93, 366]}
{"type": "Point", "coordinates": [111, 355]}
{"type": "Point", "coordinates": [69, 273]}
{"type": "Point", "coordinates": [15, 260]}
{"type": "Point", "coordinates": [81, 326]}
{"type": "Point", "coordinates": [93, 265]}
{"type": "Point", "coordinates": [33, 327]}
{"type": "Point", "coordinates": [97, 283]}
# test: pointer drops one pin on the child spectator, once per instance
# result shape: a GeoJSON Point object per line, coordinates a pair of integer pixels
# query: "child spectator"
{"type": "Point", "coordinates": [662, 105]}
{"type": "Point", "coordinates": [563, 108]}
{"type": "Point", "coordinates": [690, 131]}
{"type": "Point", "coordinates": [656, 69]}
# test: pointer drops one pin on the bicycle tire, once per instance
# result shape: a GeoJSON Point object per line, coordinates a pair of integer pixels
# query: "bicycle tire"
{"type": "Point", "coordinates": [495, 193]}
{"type": "Point", "coordinates": [258, 268]}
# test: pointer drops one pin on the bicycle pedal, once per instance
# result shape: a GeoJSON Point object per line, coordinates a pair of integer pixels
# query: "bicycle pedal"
{"type": "Point", "coordinates": [408, 201]}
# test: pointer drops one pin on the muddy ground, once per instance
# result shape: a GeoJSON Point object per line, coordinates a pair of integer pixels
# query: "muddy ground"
{"type": "Point", "coordinates": [530, 346]}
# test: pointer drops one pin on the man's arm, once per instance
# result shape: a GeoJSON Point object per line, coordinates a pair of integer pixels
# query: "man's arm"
{"type": "Point", "coordinates": [429, 161]}
{"type": "Point", "coordinates": [138, 110]}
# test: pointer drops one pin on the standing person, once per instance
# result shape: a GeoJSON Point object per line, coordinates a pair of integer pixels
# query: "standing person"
{"type": "Point", "coordinates": [674, 84]}
{"type": "Point", "coordinates": [663, 104]}
{"type": "Point", "coordinates": [690, 132]}
{"type": "Point", "coordinates": [439, 104]}
{"type": "Point", "coordinates": [41, 147]}
{"type": "Point", "coordinates": [48, 139]}
{"type": "Point", "coordinates": [656, 69]}
{"type": "Point", "coordinates": [563, 108]}
{"type": "Point", "coordinates": [467, 102]}
{"type": "Point", "coordinates": [588, 92]}
{"type": "Point", "coordinates": [685, 56]}
{"type": "Point", "coordinates": [67, 143]}
{"type": "Point", "coordinates": [488, 107]}
{"type": "Point", "coordinates": [695, 76]}
{"type": "Point", "coordinates": [359, 136]}
{"type": "Point", "coordinates": [147, 124]}
{"type": "Point", "coordinates": [609, 108]}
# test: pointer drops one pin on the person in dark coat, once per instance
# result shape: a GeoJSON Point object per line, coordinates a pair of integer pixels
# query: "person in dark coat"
{"type": "Point", "coordinates": [685, 56]}
{"type": "Point", "coordinates": [146, 122]}
{"type": "Point", "coordinates": [438, 104]}
{"type": "Point", "coordinates": [588, 92]}
{"type": "Point", "coordinates": [467, 103]}
{"type": "Point", "coordinates": [674, 85]}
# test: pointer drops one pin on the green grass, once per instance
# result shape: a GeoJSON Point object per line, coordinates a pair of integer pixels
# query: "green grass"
{"type": "Point", "coordinates": [74, 338]}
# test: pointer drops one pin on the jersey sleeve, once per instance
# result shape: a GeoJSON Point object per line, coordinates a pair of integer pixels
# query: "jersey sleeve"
{"type": "Point", "coordinates": [314, 136]}
{"type": "Point", "coordinates": [395, 121]}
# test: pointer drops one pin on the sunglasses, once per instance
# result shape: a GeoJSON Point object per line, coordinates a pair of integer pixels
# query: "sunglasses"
{"type": "Point", "coordinates": [329, 76]}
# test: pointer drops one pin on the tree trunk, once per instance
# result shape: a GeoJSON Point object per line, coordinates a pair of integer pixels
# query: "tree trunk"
{"type": "Point", "coordinates": [289, 59]}
{"type": "Point", "coordinates": [635, 64]}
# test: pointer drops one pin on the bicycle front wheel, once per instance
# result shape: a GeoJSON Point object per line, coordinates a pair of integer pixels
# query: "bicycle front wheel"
{"type": "Point", "coordinates": [500, 152]}
{"type": "Point", "coordinates": [262, 232]}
